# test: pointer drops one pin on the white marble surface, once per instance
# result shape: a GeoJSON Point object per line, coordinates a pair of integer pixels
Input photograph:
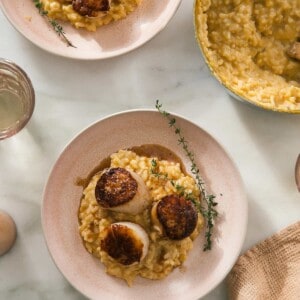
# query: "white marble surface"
{"type": "Point", "coordinates": [72, 94]}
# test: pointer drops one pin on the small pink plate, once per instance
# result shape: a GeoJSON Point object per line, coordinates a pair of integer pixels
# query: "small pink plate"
{"type": "Point", "coordinates": [108, 41]}
{"type": "Point", "coordinates": [203, 270]}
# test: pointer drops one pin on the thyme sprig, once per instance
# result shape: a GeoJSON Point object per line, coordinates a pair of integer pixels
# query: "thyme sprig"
{"type": "Point", "coordinates": [56, 26]}
{"type": "Point", "coordinates": [178, 187]}
{"type": "Point", "coordinates": [208, 211]}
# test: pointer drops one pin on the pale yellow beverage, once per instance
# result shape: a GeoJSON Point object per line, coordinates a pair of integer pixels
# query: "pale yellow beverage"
{"type": "Point", "coordinates": [11, 109]}
{"type": "Point", "coordinates": [17, 98]}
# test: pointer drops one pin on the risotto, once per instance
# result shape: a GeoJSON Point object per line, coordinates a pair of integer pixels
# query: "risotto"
{"type": "Point", "coordinates": [63, 10]}
{"type": "Point", "coordinates": [246, 42]}
{"type": "Point", "coordinates": [163, 254]}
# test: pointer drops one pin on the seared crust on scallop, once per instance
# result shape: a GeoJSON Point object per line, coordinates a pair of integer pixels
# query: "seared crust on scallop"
{"type": "Point", "coordinates": [90, 8]}
{"type": "Point", "coordinates": [177, 215]}
{"type": "Point", "coordinates": [121, 190]}
{"type": "Point", "coordinates": [116, 186]}
{"type": "Point", "coordinates": [123, 243]}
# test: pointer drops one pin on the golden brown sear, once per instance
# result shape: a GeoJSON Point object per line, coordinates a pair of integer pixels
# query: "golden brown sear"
{"type": "Point", "coordinates": [122, 244]}
{"type": "Point", "coordinates": [116, 186]}
{"type": "Point", "coordinates": [90, 8]}
{"type": "Point", "coordinates": [177, 215]}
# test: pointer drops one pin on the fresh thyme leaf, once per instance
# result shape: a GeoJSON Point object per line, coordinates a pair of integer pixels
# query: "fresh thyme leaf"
{"type": "Point", "coordinates": [153, 163]}
{"type": "Point", "coordinates": [209, 212]}
{"type": "Point", "coordinates": [56, 26]}
{"type": "Point", "coordinates": [179, 188]}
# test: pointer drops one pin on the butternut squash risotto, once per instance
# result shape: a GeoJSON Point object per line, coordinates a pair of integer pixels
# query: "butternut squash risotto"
{"type": "Point", "coordinates": [92, 17]}
{"type": "Point", "coordinates": [164, 254]}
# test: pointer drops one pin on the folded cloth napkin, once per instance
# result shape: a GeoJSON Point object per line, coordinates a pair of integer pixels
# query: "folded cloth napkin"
{"type": "Point", "coordinates": [270, 270]}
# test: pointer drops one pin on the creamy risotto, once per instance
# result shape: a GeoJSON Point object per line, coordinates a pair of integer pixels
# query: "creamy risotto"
{"type": "Point", "coordinates": [163, 254]}
{"type": "Point", "coordinates": [63, 10]}
{"type": "Point", "coordinates": [246, 44]}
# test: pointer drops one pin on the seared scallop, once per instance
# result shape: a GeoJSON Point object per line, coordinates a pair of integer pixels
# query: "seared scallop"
{"type": "Point", "coordinates": [90, 8]}
{"type": "Point", "coordinates": [174, 216]}
{"type": "Point", "coordinates": [122, 190]}
{"type": "Point", "coordinates": [125, 242]}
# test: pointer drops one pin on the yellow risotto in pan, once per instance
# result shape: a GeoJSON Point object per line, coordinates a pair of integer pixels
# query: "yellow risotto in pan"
{"type": "Point", "coordinates": [247, 44]}
{"type": "Point", "coordinates": [164, 254]}
{"type": "Point", "coordinates": [89, 14]}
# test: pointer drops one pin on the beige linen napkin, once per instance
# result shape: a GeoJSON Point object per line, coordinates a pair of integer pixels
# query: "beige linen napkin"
{"type": "Point", "coordinates": [270, 270]}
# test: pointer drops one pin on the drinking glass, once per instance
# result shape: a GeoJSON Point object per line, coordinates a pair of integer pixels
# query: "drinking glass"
{"type": "Point", "coordinates": [17, 98]}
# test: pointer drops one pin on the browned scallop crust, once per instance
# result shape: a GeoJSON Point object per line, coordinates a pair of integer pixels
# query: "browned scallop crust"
{"type": "Point", "coordinates": [116, 186]}
{"type": "Point", "coordinates": [90, 8]}
{"type": "Point", "coordinates": [121, 244]}
{"type": "Point", "coordinates": [177, 215]}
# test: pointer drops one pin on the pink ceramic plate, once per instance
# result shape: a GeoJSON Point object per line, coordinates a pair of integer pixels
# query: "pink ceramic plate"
{"type": "Point", "coordinates": [203, 270]}
{"type": "Point", "coordinates": [111, 40]}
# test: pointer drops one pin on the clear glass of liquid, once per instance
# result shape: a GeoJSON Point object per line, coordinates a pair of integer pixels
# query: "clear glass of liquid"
{"type": "Point", "coordinates": [17, 98]}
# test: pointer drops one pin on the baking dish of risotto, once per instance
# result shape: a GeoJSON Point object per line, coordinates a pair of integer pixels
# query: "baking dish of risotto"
{"type": "Point", "coordinates": [252, 48]}
{"type": "Point", "coordinates": [119, 213]}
